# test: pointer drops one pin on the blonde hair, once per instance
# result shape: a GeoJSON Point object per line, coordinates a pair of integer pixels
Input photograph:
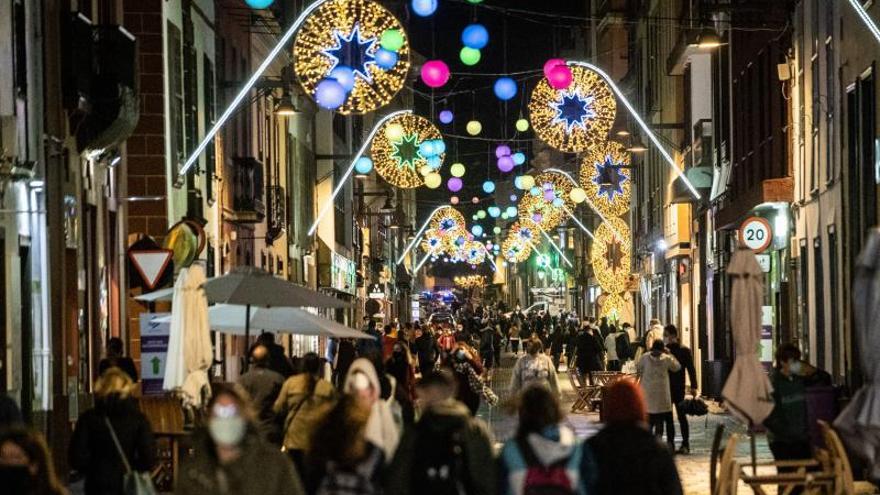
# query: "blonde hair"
{"type": "Point", "coordinates": [114, 382]}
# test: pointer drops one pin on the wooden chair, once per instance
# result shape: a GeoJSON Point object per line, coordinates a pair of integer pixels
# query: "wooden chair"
{"type": "Point", "coordinates": [726, 480]}
{"type": "Point", "coordinates": [715, 456]}
{"type": "Point", "coordinates": [585, 391]}
{"type": "Point", "coordinates": [167, 419]}
{"type": "Point", "coordinates": [840, 461]}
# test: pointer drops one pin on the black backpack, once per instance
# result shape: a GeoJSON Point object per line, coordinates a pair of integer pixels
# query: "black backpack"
{"type": "Point", "coordinates": [622, 347]}
{"type": "Point", "coordinates": [356, 480]}
{"type": "Point", "coordinates": [439, 467]}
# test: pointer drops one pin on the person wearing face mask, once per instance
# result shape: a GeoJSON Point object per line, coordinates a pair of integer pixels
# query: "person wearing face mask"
{"type": "Point", "coordinates": [400, 367]}
{"type": "Point", "coordinates": [92, 449]}
{"type": "Point", "coordinates": [230, 457]}
{"type": "Point", "coordinates": [25, 464]}
{"type": "Point", "coordinates": [382, 430]}
{"type": "Point", "coordinates": [468, 370]}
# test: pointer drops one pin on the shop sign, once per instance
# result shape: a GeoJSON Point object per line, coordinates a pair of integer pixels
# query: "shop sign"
{"type": "Point", "coordinates": [154, 352]}
{"type": "Point", "coordinates": [756, 234]}
{"type": "Point", "coordinates": [764, 262]}
{"type": "Point", "coordinates": [376, 291]}
{"type": "Point", "coordinates": [343, 273]}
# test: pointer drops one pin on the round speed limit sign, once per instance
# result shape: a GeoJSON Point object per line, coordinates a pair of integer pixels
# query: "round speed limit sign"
{"type": "Point", "coordinates": [756, 234]}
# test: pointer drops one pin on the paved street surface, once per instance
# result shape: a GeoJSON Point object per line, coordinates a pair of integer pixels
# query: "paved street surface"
{"type": "Point", "coordinates": [693, 468]}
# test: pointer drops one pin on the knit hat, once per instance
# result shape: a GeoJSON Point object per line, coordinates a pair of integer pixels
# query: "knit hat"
{"type": "Point", "coordinates": [623, 403]}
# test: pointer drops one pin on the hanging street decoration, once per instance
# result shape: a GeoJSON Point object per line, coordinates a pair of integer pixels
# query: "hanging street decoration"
{"type": "Point", "coordinates": [546, 208]}
{"type": "Point", "coordinates": [403, 146]}
{"type": "Point", "coordinates": [435, 73]}
{"type": "Point", "coordinates": [610, 255]}
{"type": "Point", "coordinates": [357, 39]}
{"type": "Point", "coordinates": [469, 281]}
{"type": "Point", "coordinates": [605, 178]}
{"type": "Point", "coordinates": [573, 119]}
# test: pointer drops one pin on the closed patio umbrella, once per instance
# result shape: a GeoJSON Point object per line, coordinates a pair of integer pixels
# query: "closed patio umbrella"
{"type": "Point", "coordinates": [230, 319]}
{"type": "Point", "coordinates": [189, 346]}
{"type": "Point", "coordinates": [859, 423]}
{"type": "Point", "coordinates": [747, 392]}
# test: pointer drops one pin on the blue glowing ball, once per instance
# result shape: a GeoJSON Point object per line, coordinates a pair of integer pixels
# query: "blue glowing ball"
{"type": "Point", "coordinates": [385, 59]}
{"type": "Point", "coordinates": [477, 230]}
{"type": "Point", "coordinates": [344, 76]}
{"type": "Point", "coordinates": [505, 88]}
{"type": "Point", "coordinates": [535, 191]}
{"type": "Point", "coordinates": [446, 117]}
{"type": "Point", "coordinates": [439, 146]}
{"type": "Point", "coordinates": [329, 94]}
{"type": "Point", "coordinates": [475, 36]}
{"type": "Point", "coordinates": [558, 202]}
{"type": "Point", "coordinates": [488, 187]}
{"type": "Point", "coordinates": [424, 8]}
{"type": "Point", "coordinates": [434, 161]}
{"type": "Point", "coordinates": [519, 158]}
{"type": "Point", "coordinates": [494, 211]}
{"type": "Point", "coordinates": [259, 4]}
{"type": "Point", "coordinates": [513, 197]}
{"type": "Point", "coordinates": [511, 211]}
{"type": "Point", "coordinates": [426, 148]}
{"type": "Point", "coordinates": [363, 165]}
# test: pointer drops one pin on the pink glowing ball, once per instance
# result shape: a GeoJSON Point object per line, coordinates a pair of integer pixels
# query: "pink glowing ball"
{"type": "Point", "coordinates": [553, 62]}
{"type": "Point", "coordinates": [560, 77]}
{"type": "Point", "coordinates": [475, 200]}
{"type": "Point", "coordinates": [435, 73]}
{"type": "Point", "coordinates": [506, 164]}
{"type": "Point", "coordinates": [454, 184]}
{"type": "Point", "coordinates": [454, 200]}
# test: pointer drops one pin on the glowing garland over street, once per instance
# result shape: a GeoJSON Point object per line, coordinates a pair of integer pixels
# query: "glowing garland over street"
{"type": "Point", "coordinates": [403, 146]}
{"type": "Point", "coordinates": [608, 186]}
{"type": "Point", "coordinates": [610, 256]}
{"type": "Point", "coordinates": [347, 33]}
{"type": "Point", "coordinates": [543, 204]}
{"type": "Point", "coordinates": [469, 281]}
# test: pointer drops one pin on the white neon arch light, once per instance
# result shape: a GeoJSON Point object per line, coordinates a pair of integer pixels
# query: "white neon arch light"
{"type": "Point", "coordinates": [863, 14]}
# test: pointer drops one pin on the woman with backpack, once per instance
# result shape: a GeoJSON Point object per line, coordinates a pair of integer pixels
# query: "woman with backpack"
{"type": "Point", "coordinates": [535, 368]}
{"type": "Point", "coordinates": [544, 456]}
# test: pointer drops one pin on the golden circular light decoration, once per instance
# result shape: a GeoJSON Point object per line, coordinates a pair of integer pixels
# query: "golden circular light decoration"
{"type": "Point", "coordinates": [608, 186]}
{"type": "Point", "coordinates": [612, 306]}
{"type": "Point", "coordinates": [551, 214]}
{"type": "Point", "coordinates": [610, 255]}
{"type": "Point", "coordinates": [446, 219]}
{"type": "Point", "coordinates": [399, 161]}
{"type": "Point", "coordinates": [475, 253]}
{"type": "Point", "coordinates": [572, 119]}
{"type": "Point", "coordinates": [341, 27]}
{"type": "Point", "coordinates": [515, 251]}
{"type": "Point", "coordinates": [469, 281]}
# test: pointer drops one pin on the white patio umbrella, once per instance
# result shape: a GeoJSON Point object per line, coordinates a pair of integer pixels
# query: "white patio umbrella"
{"type": "Point", "coordinates": [230, 319]}
{"type": "Point", "coordinates": [859, 423]}
{"type": "Point", "coordinates": [747, 392]}
{"type": "Point", "coordinates": [157, 295]}
{"type": "Point", "coordinates": [189, 345]}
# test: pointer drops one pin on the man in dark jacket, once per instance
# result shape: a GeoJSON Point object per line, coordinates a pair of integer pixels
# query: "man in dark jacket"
{"type": "Point", "coordinates": [445, 440]}
{"type": "Point", "coordinates": [589, 353]}
{"type": "Point", "coordinates": [676, 382]}
{"type": "Point", "coordinates": [427, 350]}
{"type": "Point", "coordinates": [278, 361]}
{"type": "Point", "coordinates": [263, 385]}
{"type": "Point", "coordinates": [115, 358]}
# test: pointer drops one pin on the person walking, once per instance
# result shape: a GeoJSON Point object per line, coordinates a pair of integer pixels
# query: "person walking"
{"type": "Point", "coordinates": [447, 451]}
{"type": "Point", "coordinates": [629, 458]}
{"type": "Point", "coordinates": [116, 358]}
{"type": "Point", "coordinates": [589, 354]}
{"type": "Point", "coordinates": [304, 399]}
{"type": "Point", "coordinates": [534, 368]}
{"type": "Point", "coordinates": [654, 333]}
{"type": "Point", "coordinates": [557, 345]}
{"type": "Point", "coordinates": [346, 353]}
{"type": "Point", "coordinates": [229, 456]}
{"type": "Point", "coordinates": [263, 386]}
{"type": "Point", "coordinates": [676, 383]}
{"type": "Point", "coordinates": [545, 456]}
{"type": "Point", "coordinates": [278, 360]}
{"type": "Point", "coordinates": [654, 369]}
{"type": "Point", "coordinates": [93, 450]}
{"type": "Point", "coordinates": [616, 348]}
{"type": "Point", "coordinates": [400, 367]}
{"type": "Point", "coordinates": [427, 350]}
{"type": "Point", "coordinates": [26, 466]}
{"type": "Point", "coordinates": [383, 426]}
{"type": "Point", "coordinates": [472, 389]}
{"type": "Point", "coordinates": [514, 336]}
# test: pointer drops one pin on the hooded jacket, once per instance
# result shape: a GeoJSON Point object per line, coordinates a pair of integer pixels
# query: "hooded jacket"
{"type": "Point", "coordinates": [555, 445]}
{"type": "Point", "coordinates": [537, 369]}
{"type": "Point", "coordinates": [632, 461]}
{"type": "Point", "coordinates": [447, 416]}
{"type": "Point", "coordinates": [382, 429]}
{"type": "Point", "coordinates": [303, 408]}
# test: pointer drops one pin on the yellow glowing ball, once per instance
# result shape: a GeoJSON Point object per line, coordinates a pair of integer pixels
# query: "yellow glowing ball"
{"type": "Point", "coordinates": [522, 125]}
{"type": "Point", "coordinates": [457, 169]}
{"type": "Point", "coordinates": [426, 170]}
{"type": "Point", "coordinates": [394, 132]}
{"type": "Point", "coordinates": [527, 182]}
{"type": "Point", "coordinates": [474, 127]}
{"type": "Point", "coordinates": [578, 195]}
{"type": "Point", "coordinates": [433, 180]}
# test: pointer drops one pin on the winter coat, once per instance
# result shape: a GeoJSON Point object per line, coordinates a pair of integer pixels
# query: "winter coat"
{"type": "Point", "coordinates": [263, 386]}
{"type": "Point", "coordinates": [531, 370]}
{"type": "Point", "coordinates": [427, 350]}
{"type": "Point", "coordinates": [589, 353]}
{"type": "Point", "coordinates": [383, 426]}
{"type": "Point", "coordinates": [261, 469]}
{"type": "Point", "coordinates": [676, 378]}
{"type": "Point", "coordinates": [631, 461]}
{"type": "Point", "coordinates": [654, 379]}
{"type": "Point", "coordinates": [93, 453]}
{"type": "Point", "coordinates": [654, 333]}
{"type": "Point", "coordinates": [549, 448]}
{"type": "Point", "coordinates": [446, 417]}
{"type": "Point", "coordinates": [302, 408]}
{"type": "Point", "coordinates": [124, 363]}
{"type": "Point", "coordinates": [788, 421]}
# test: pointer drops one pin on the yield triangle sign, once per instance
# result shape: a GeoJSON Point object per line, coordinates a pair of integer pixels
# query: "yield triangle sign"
{"type": "Point", "coordinates": [151, 264]}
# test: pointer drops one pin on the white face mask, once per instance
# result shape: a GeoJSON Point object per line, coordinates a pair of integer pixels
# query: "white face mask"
{"type": "Point", "coordinates": [794, 367]}
{"type": "Point", "coordinates": [227, 432]}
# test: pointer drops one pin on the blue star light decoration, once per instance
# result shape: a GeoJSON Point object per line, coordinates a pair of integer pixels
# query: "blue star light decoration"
{"type": "Point", "coordinates": [609, 179]}
{"type": "Point", "coordinates": [353, 51]}
{"type": "Point", "coordinates": [573, 110]}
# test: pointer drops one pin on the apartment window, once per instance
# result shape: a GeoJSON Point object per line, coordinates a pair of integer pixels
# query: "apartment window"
{"type": "Point", "coordinates": [175, 83]}
{"type": "Point", "coordinates": [860, 147]}
{"type": "Point", "coordinates": [208, 116]}
{"type": "Point", "coordinates": [834, 307]}
{"type": "Point", "coordinates": [819, 298]}
{"type": "Point", "coordinates": [830, 92]}
{"type": "Point", "coordinates": [816, 103]}
{"type": "Point", "coordinates": [802, 298]}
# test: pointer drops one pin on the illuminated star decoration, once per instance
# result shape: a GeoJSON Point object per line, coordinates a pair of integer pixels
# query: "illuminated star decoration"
{"type": "Point", "coordinates": [573, 110]}
{"type": "Point", "coordinates": [406, 151]}
{"type": "Point", "coordinates": [609, 179]}
{"type": "Point", "coordinates": [353, 51]}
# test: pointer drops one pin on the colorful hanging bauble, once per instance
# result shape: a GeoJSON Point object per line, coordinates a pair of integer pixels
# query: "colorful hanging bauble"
{"type": "Point", "coordinates": [475, 36]}
{"type": "Point", "coordinates": [329, 94]}
{"type": "Point", "coordinates": [551, 63]}
{"type": "Point", "coordinates": [544, 209]}
{"type": "Point", "coordinates": [347, 33]}
{"type": "Point", "coordinates": [506, 164]}
{"type": "Point", "coordinates": [457, 170]}
{"type": "Point", "coordinates": [522, 125]}
{"type": "Point", "coordinates": [262, 4]}
{"type": "Point", "coordinates": [453, 200]}
{"type": "Point", "coordinates": [446, 116]}
{"type": "Point", "coordinates": [560, 77]}
{"type": "Point", "coordinates": [488, 187]}
{"type": "Point", "coordinates": [469, 56]}
{"type": "Point", "coordinates": [344, 75]}
{"type": "Point", "coordinates": [502, 150]}
{"type": "Point", "coordinates": [576, 118]}
{"type": "Point", "coordinates": [424, 8]}
{"type": "Point", "coordinates": [518, 158]}
{"type": "Point", "coordinates": [454, 184]}
{"type": "Point", "coordinates": [474, 127]}
{"type": "Point", "coordinates": [578, 195]}
{"type": "Point", "coordinates": [363, 165]}
{"type": "Point", "coordinates": [605, 177]}
{"type": "Point", "coordinates": [433, 180]}
{"type": "Point", "coordinates": [392, 40]}
{"type": "Point", "coordinates": [435, 73]}
{"type": "Point", "coordinates": [386, 59]}
{"type": "Point", "coordinates": [610, 255]}
{"type": "Point", "coordinates": [494, 211]}
{"type": "Point", "coordinates": [505, 88]}
{"type": "Point", "coordinates": [398, 160]}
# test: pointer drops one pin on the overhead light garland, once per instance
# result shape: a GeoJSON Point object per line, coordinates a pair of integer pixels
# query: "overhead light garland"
{"type": "Point", "coordinates": [403, 146]}
{"type": "Point", "coordinates": [545, 203]}
{"type": "Point", "coordinates": [574, 118]}
{"type": "Point", "coordinates": [611, 306]}
{"type": "Point", "coordinates": [469, 281]}
{"type": "Point", "coordinates": [610, 255]}
{"type": "Point", "coordinates": [605, 178]}
{"type": "Point", "coordinates": [352, 35]}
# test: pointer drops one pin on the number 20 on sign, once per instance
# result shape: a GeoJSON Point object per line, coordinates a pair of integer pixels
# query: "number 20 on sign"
{"type": "Point", "coordinates": [756, 234]}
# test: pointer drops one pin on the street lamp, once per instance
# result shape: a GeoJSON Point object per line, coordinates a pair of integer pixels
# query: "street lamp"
{"type": "Point", "coordinates": [708, 39]}
{"type": "Point", "coordinates": [388, 206]}
{"type": "Point", "coordinates": [285, 106]}
{"type": "Point", "coordinates": [636, 145]}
